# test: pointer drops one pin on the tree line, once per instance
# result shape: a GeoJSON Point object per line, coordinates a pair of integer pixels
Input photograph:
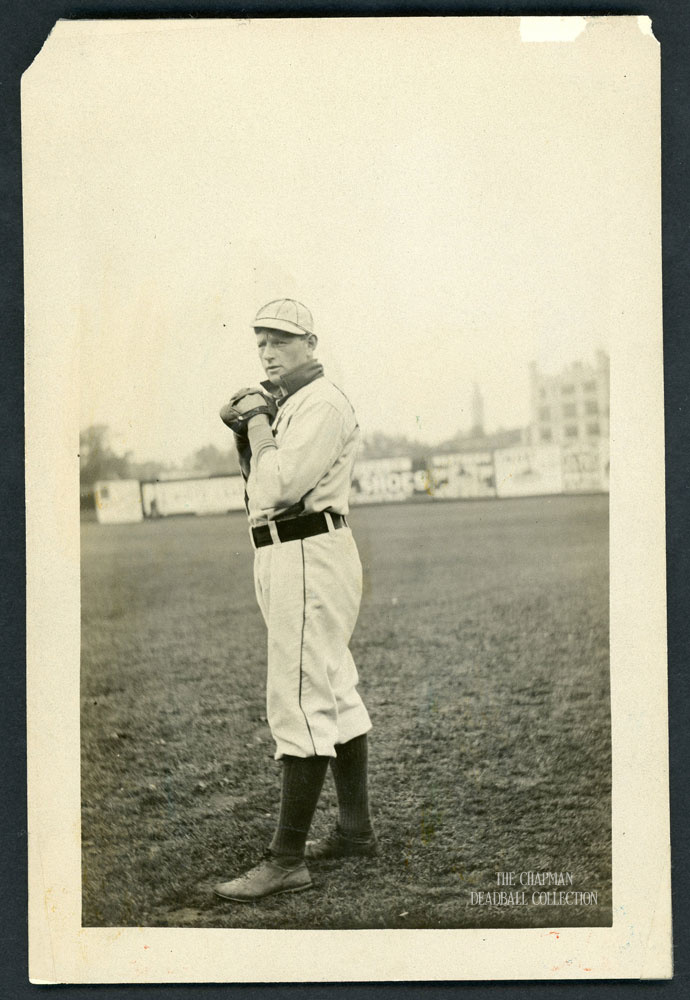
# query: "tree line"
{"type": "Point", "coordinates": [99, 461]}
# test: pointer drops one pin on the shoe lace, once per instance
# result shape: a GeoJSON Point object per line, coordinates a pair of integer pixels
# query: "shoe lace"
{"type": "Point", "coordinates": [248, 875]}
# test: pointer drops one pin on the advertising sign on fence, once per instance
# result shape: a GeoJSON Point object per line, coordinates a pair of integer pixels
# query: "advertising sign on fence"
{"type": "Point", "coordinates": [463, 475]}
{"type": "Point", "coordinates": [118, 501]}
{"type": "Point", "coordinates": [604, 460]}
{"type": "Point", "coordinates": [582, 471]}
{"type": "Point", "coordinates": [382, 480]}
{"type": "Point", "coordinates": [193, 496]}
{"type": "Point", "coordinates": [528, 471]}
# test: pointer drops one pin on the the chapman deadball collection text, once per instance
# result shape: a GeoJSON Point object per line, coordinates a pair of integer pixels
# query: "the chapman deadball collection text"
{"type": "Point", "coordinates": [534, 888]}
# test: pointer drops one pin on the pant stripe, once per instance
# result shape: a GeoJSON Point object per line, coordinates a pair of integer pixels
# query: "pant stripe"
{"type": "Point", "coordinates": [301, 648]}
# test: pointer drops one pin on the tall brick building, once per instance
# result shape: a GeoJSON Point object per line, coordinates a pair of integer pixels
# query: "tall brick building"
{"type": "Point", "coordinates": [571, 407]}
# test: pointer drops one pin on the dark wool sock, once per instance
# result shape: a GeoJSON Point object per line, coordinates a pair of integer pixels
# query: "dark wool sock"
{"type": "Point", "coordinates": [302, 782]}
{"type": "Point", "coordinates": [350, 774]}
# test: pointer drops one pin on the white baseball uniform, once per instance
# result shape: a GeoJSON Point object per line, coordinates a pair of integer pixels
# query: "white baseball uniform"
{"type": "Point", "coordinates": [308, 589]}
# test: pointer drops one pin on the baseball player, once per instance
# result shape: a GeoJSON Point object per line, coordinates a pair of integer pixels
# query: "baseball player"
{"type": "Point", "coordinates": [297, 437]}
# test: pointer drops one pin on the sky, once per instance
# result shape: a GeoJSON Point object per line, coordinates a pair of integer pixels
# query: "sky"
{"type": "Point", "coordinates": [449, 202]}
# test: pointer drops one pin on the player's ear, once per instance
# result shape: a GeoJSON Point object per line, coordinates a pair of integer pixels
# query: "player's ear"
{"type": "Point", "coordinates": [313, 341]}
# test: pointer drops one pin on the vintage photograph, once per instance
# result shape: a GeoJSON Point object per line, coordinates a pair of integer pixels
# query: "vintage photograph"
{"type": "Point", "coordinates": [347, 299]}
{"type": "Point", "coordinates": [430, 506]}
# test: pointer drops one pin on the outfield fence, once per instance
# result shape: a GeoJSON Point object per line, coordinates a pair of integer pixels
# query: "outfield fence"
{"type": "Point", "coordinates": [530, 470]}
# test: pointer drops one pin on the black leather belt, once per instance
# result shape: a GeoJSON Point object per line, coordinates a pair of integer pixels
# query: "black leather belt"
{"type": "Point", "coordinates": [294, 528]}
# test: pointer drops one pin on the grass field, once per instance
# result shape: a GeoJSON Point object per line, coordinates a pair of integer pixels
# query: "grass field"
{"type": "Point", "coordinates": [482, 647]}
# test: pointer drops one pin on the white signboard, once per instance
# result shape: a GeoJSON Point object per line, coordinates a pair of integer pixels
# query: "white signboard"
{"type": "Point", "coordinates": [193, 496]}
{"type": "Point", "coordinates": [118, 501]}
{"type": "Point", "coordinates": [463, 475]}
{"type": "Point", "coordinates": [382, 480]}
{"type": "Point", "coordinates": [528, 471]}
{"type": "Point", "coordinates": [582, 471]}
{"type": "Point", "coordinates": [604, 462]}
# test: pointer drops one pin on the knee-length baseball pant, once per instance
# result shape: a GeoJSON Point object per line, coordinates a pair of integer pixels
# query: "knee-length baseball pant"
{"type": "Point", "coordinates": [309, 593]}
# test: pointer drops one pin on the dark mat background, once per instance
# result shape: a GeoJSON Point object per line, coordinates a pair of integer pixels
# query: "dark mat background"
{"type": "Point", "coordinates": [24, 24]}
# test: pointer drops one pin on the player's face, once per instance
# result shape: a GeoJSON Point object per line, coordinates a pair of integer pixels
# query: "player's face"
{"type": "Point", "coordinates": [281, 353]}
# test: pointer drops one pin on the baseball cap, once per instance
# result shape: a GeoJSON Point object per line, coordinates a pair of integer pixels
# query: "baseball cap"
{"type": "Point", "coordinates": [287, 315]}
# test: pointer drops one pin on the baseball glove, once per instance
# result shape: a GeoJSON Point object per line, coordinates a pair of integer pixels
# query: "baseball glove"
{"type": "Point", "coordinates": [236, 414]}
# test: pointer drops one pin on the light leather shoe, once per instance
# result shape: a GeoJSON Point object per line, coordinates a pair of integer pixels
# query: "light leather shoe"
{"type": "Point", "coordinates": [267, 879]}
{"type": "Point", "coordinates": [337, 845]}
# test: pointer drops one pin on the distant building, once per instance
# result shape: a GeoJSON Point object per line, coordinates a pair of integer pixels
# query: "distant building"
{"type": "Point", "coordinates": [571, 407]}
{"type": "Point", "coordinates": [477, 412]}
{"type": "Point", "coordinates": [482, 442]}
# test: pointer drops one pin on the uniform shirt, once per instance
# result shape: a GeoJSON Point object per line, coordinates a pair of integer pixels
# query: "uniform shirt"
{"type": "Point", "coordinates": [305, 459]}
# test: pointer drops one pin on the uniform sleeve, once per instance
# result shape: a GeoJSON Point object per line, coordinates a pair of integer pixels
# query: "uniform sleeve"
{"type": "Point", "coordinates": [309, 447]}
{"type": "Point", "coordinates": [244, 454]}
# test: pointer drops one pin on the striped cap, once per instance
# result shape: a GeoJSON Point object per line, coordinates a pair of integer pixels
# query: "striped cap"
{"type": "Point", "coordinates": [287, 315]}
